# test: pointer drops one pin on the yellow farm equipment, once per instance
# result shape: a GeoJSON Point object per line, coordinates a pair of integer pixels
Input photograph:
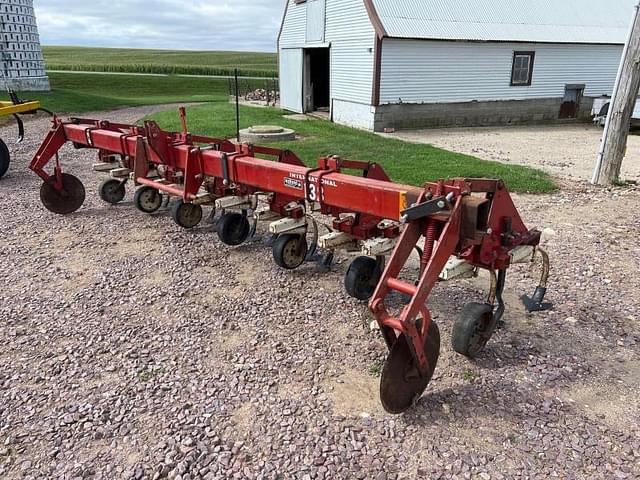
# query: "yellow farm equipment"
{"type": "Point", "coordinates": [15, 108]}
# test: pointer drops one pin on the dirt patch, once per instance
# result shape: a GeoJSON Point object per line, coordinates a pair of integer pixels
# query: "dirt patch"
{"type": "Point", "coordinates": [156, 278]}
{"type": "Point", "coordinates": [244, 277]}
{"type": "Point", "coordinates": [243, 418]}
{"type": "Point", "coordinates": [139, 241]}
{"type": "Point", "coordinates": [595, 398]}
{"type": "Point", "coordinates": [231, 341]}
{"type": "Point", "coordinates": [355, 393]}
{"type": "Point", "coordinates": [76, 273]}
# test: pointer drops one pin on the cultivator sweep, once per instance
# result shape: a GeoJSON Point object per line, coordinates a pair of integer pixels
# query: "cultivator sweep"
{"type": "Point", "coordinates": [457, 226]}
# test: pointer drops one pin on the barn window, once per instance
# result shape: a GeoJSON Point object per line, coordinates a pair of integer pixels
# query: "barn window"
{"type": "Point", "coordinates": [522, 70]}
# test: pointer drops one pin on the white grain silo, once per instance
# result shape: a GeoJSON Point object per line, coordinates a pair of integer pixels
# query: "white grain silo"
{"type": "Point", "coordinates": [21, 62]}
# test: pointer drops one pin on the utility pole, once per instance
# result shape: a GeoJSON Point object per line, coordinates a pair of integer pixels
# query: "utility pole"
{"type": "Point", "coordinates": [625, 93]}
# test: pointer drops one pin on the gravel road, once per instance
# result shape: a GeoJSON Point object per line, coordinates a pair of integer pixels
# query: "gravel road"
{"type": "Point", "coordinates": [566, 151]}
{"type": "Point", "coordinates": [132, 349]}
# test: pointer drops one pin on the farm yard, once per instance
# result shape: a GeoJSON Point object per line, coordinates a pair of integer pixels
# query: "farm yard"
{"type": "Point", "coordinates": [415, 279]}
{"type": "Point", "coordinates": [134, 349]}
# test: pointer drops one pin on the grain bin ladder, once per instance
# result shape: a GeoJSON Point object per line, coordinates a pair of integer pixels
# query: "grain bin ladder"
{"type": "Point", "coordinates": [463, 225]}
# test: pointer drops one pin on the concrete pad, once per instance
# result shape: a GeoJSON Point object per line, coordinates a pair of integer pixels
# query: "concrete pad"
{"type": "Point", "coordinates": [266, 133]}
{"type": "Point", "coordinates": [297, 116]}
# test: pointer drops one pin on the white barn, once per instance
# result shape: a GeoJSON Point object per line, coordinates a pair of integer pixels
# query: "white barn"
{"type": "Point", "coordinates": [379, 64]}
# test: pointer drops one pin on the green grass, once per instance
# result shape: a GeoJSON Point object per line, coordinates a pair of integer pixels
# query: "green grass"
{"type": "Point", "coordinates": [147, 374]}
{"type": "Point", "coordinates": [469, 375]}
{"type": "Point", "coordinates": [407, 163]}
{"type": "Point", "coordinates": [159, 61]}
{"type": "Point", "coordinates": [375, 370]}
{"type": "Point", "coordinates": [77, 93]}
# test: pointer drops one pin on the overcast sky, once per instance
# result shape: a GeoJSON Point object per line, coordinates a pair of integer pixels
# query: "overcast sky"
{"type": "Point", "coordinates": [249, 25]}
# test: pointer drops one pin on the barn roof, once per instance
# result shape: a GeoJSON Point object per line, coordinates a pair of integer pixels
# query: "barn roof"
{"type": "Point", "coordinates": [549, 21]}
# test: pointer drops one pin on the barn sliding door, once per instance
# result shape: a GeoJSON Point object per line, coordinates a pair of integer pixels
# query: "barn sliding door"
{"type": "Point", "coordinates": [291, 69]}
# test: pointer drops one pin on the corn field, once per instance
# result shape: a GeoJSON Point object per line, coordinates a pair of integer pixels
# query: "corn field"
{"type": "Point", "coordinates": [168, 62]}
{"type": "Point", "coordinates": [161, 69]}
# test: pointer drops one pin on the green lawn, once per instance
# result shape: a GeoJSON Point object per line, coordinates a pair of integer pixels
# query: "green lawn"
{"type": "Point", "coordinates": [77, 93]}
{"type": "Point", "coordinates": [404, 162]}
{"type": "Point", "coordinates": [159, 61]}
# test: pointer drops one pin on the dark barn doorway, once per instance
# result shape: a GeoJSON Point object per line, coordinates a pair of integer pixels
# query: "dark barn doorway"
{"type": "Point", "coordinates": [571, 101]}
{"type": "Point", "coordinates": [317, 80]}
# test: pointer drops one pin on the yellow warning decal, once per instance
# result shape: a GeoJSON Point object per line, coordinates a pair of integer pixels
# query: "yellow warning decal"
{"type": "Point", "coordinates": [402, 203]}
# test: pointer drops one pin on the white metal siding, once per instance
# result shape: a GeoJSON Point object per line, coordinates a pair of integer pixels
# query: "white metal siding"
{"type": "Point", "coordinates": [291, 60]}
{"type": "Point", "coordinates": [352, 39]}
{"type": "Point", "coordinates": [315, 20]}
{"type": "Point", "coordinates": [351, 36]}
{"type": "Point", "coordinates": [354, 114]}
{"type": "Point", "coordinates": [415, 71]}
{"type": "Point", "coordinates": [294, 26]}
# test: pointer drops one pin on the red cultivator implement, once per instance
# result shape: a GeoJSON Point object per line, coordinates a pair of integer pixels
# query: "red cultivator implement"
{"type": "Point", "coordinates": [463, 225]}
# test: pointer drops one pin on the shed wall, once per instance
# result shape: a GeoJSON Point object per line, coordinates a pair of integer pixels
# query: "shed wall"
{"type": "Point", "coordinates": [423, 71]}
{"type": "Point", "coordinates": [358, 115]}
{"type": "Point", "coordinates": [294, 26]}
{"type": "Point", "coordinates": [474, 114]}
{"type": "Point", "coordinates": [351, 37]}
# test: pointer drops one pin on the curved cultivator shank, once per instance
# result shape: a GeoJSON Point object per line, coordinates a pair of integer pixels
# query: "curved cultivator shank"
{"type": "Point", "coordinates": [458, 226]}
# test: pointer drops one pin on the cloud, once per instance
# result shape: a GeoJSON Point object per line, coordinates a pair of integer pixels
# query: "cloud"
{"type": "Point", "coordinates": [245, 25]}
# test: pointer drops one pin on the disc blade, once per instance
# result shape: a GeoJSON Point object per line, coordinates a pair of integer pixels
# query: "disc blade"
{"type": "Point", "coordinates": [66, 201]}
{"type": "Point", "coordinates": [401, 384]}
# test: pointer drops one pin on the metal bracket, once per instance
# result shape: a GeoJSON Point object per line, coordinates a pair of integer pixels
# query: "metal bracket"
{"type": "Point", "coordinates": [522, 254]}
{"type": "Point", "coordinates": [334, 240]}
{"type": "Point", "coordinates": [376, 247]}
{"type": "Point", "coordinates": [120, 173]}
{"type": "Point", "coordinates": [203, 199]}
{"type": "Point", "coordinates": [289, 225]}
{"type": "Point", "coordinates": [457, 268]}
{"type": "Point", "coordinates": [225, 168]}
{"type": "Point", "coordinates": [234, 202]}
{"type": "Point", "coordinates": [265, 214]}
{"type": "Point", "coordinates": [423, 210]}
{"type": "Point", "coordinates": [103, 167]}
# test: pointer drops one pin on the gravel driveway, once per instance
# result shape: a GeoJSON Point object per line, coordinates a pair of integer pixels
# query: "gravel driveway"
{"type": "Point", "coordinates": [567, 151]}
{"type": "Point", "coordinates": [132, 349]}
